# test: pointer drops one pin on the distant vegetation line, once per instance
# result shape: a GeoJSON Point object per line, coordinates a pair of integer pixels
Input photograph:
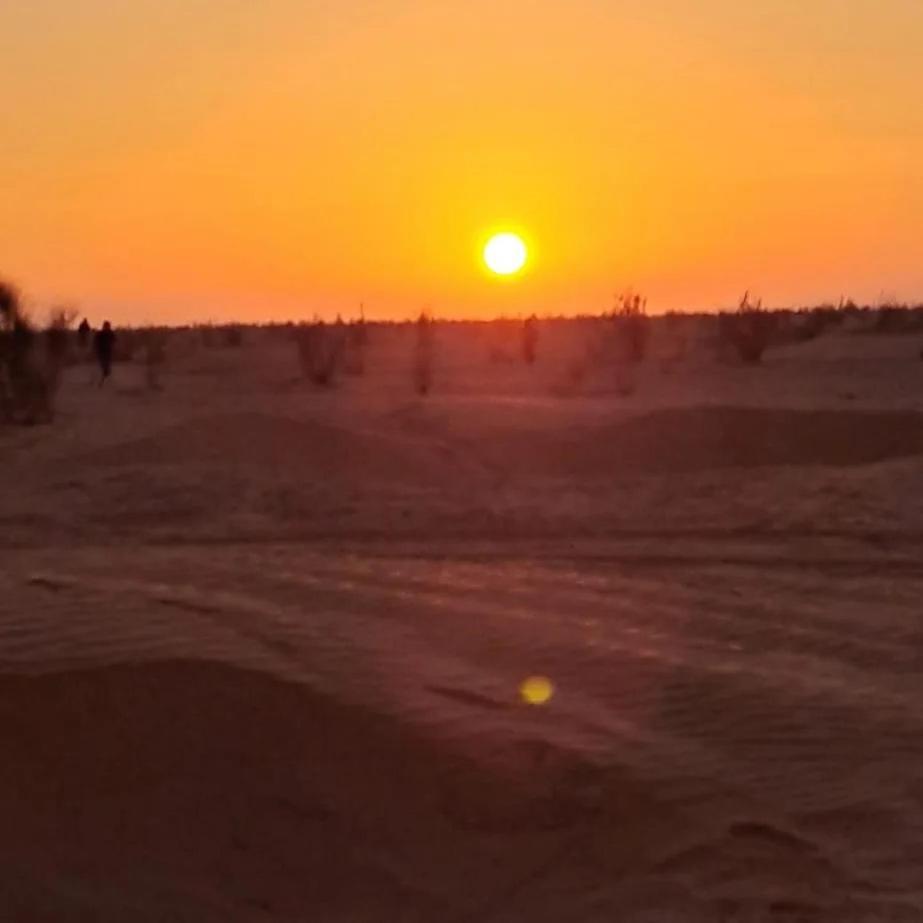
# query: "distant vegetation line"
{"type": "Point", "coordinates": [612, 343]}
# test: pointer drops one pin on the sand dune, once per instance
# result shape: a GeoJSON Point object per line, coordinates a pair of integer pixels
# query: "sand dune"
{"type": "Point", "coordinates": [313, 448]}
{"type": "Point", "coordinates": [729, 437]}
{"type": "Point", "coordinates": [699, 755]}
{"type": "Point", "coordinates": [678, 440]}
{"type": "Point", "coordinates": [260, 652]}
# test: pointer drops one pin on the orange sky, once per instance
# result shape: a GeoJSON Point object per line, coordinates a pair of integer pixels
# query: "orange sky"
{"type": "Point", "coordinates": [172, 160]}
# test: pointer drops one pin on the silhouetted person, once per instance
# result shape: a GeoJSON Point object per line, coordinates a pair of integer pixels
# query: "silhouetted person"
{"type": "Point", "coordinates": [104, 345]}
{"type": "Point", "coordinates": [83, 333]}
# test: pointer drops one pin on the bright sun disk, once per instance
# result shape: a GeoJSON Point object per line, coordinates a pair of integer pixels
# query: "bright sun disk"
{"type": "Point", "coordinates": [505, 254]}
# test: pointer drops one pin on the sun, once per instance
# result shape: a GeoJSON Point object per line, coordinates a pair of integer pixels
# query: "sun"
{"type": "Point", "coordinates": [505, 254]}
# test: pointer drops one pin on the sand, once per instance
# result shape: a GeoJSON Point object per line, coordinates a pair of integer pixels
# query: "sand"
{"type": "Point", "coordinates": [261, 644]}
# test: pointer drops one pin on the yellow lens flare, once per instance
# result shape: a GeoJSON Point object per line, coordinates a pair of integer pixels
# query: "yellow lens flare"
{"type": "Point", "coordinates": [536, 690]}
{"type": "Point", "coordinates": [505, 254]}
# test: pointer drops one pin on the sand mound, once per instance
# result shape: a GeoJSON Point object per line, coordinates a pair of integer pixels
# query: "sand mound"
{"type": "Point", "coordinates": [193, 791]}
{"type": "Point", "coordinates": [279, 443]}
{"type": "Point", "coordinates": [703, 438]}
{"type": "Point", "coordinates": [736, 743]}
{"type": "Point", "coordinates": [728, 437]}
{"type": "Point", "coordinates": [230, 789]}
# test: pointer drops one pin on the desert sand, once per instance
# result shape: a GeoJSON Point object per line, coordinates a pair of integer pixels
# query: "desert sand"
{"type": "Point", "coordinates": [261, 643]}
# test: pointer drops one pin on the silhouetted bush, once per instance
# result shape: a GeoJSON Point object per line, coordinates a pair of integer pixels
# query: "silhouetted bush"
{"type": "Point", "coordinates": [9, 314]}
{"type": "Point", "coordinates": [58, 348]}
{"type": "Point", "coordinates": [319, 351]}
{"type": "Point", "coordinates": [354, 348]}
{"type": "Point", "coordinates": [530, 340]}
{"type": "Point", "coordinates": [632, 326]}
{"type": "Point", "coordinates": [810, 323]}
{"type": "Point", "coordinates": [423, 355]}
{"type": "Point", "coordinates": [29, 375]}
{"type": "Point", "coordinates": [891, 318]}
{"type": "Point", "coordinates": [9, 304]}
{"type": "Point", "coordinates": [749, 330]}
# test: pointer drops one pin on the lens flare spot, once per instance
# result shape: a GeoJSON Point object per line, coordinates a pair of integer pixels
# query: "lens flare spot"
{"type": "Point", "coordinates": [536, 690]}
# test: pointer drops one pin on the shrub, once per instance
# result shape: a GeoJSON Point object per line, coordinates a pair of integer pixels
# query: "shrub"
{"type": "Point", "coordinates": [9, 305]}
{"type": "Point", "coordinates": [318, 352]}
{"type": "Point", "coordinates": [354, 348]}
{"type": "Point", "coordinates": [891, 318]}
{"type": "Point", "coordinates": [28, 380]}
{"type": "Point", "coordinates": [9, 312]}
{"type": "Point", "coordinates": [632, 326]}
{"type": "Point", "coordinates": [749, 330]}
{"type": "Point", "coordinates": [57, 345]}
{"type": "Point", "coordinates": [423, 355]}
{"type": "Point", "coordinates": [808, 324]}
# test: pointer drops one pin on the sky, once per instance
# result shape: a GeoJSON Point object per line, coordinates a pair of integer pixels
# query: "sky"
{"type": "Point", "coordinates": [191, 160]}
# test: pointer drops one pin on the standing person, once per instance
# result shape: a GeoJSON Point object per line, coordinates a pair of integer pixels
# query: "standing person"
{"type": "Point", "coordinates": [104, 344]}
{"type": "Point", "coordinates": [83, 333]}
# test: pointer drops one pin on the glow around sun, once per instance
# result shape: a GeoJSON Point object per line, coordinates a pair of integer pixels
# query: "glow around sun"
{"type": "Point", "coordinates": [505, 254]}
